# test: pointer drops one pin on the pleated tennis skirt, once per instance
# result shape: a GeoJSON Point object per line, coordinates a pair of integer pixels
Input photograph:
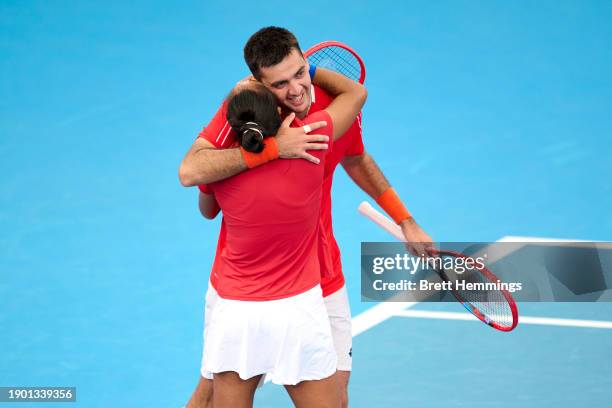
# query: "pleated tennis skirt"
{"type": "Point", "coordinates": [288, 340]}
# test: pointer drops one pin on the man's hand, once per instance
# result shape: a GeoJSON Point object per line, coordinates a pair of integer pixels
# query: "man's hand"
{"type": "Point", "coordinates": [293, 142]}
{"type": "Point", "coordinates": [243, 82]}
{"type": "Point", "coordinates": [417, 241]}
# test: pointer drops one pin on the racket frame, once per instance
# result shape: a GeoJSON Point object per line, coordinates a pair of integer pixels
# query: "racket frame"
{"type": "Point", "coordinates": [392, 228]}
{"type": "Point", "coordinates": [326, 44]}
{"type": "Point", "coordinates": [469, 306]}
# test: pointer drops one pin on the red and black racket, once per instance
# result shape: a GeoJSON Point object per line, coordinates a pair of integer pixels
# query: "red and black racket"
{"type": "Point", "coordinates": [493, 305]}
{"type": "Point", "coordinates": [338, 57]}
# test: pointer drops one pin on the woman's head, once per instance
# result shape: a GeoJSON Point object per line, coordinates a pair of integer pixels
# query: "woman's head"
{"type": "Point", "coordinates": [252, 112]}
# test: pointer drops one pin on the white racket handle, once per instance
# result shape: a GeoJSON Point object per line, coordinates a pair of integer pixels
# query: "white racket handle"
{"type": "Point", "coordinates": [382, 220]}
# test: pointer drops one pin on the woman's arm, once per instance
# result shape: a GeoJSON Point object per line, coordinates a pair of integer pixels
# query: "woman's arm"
{"type": "Point", "coordinates": [208, 205]}
{"type": "Point", "coordinates": [350, 96]}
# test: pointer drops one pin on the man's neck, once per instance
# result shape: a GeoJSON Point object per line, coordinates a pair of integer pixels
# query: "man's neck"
{"type": "Point", "coordinates": [305, 113]}
{"type": "Point", "coordinates": [300, 116]}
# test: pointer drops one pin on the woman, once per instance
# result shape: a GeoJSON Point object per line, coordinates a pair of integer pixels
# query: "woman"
{"type": "Point", "coordinates": [269, 317]}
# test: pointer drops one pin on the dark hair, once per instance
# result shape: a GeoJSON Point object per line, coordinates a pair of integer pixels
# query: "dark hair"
{"type": "Point", "coordinates": [268, 47]}
{"type": "Point", "coordinates": [253, 114]}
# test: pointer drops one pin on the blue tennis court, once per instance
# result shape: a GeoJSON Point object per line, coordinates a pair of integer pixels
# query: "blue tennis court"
{"type": "Point", "coordinates": [491, 119]}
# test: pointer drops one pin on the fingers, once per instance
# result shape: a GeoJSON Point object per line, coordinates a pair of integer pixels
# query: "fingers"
{"type": "Point", "coordinates": [310, 158]}
{"type": "Point", "coordinates": [428, 244]}
{"type": "Point", "coordinates": [314, 126]}
{"type": "Point", "coordinates": [242, 83]}
{"type": "Point", "coordinates": [416, 249]}
{"type": "Point", "coordinates": [288, 120]}
{"type": "Point", "coordinates": [420, 249]}
{"type": "Point", "coordinates": [248, 78]}
{"type": "Point", "coordinates": [418, 242]}
{"type": "Point", "coordinates": [317, 138]}
{"type": "Point", "coordinates": [316, 146]}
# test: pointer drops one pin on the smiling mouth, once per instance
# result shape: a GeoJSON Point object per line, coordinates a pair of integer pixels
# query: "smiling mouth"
{"type": "Point", "coordinates": [297, 100]}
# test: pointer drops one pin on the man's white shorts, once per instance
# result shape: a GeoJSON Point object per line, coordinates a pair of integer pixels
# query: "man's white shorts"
{"type": "Point", "coordinates": [339, 313]}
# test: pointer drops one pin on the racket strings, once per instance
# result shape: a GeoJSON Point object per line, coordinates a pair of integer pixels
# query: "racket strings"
{"type": "Point", "coordinates": [337, 59]}
{"type": "Point", "coordinates": [478, 292]}
{"type": "Point", "coordinates": [329, 63]}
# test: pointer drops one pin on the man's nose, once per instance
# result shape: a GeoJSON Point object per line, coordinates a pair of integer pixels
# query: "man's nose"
{"type": "Point", "coordinates": [294, 88]}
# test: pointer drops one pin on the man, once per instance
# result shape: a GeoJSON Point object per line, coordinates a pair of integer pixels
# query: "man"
{"type": "Point", "coordinates": [275, 59]}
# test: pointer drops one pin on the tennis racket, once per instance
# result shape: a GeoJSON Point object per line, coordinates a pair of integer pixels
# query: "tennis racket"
{"type": "Point", "coordinates": [337, 57]}
{"type": "Point", "coordinates": [495, 307]}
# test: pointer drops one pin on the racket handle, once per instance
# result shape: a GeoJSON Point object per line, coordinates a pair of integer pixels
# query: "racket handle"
{"type": "Point", "coordinates": [382, 220]}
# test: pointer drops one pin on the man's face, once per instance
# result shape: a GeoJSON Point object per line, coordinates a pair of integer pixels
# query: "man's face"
{"type": "Point", "coordinates": [289, 81]}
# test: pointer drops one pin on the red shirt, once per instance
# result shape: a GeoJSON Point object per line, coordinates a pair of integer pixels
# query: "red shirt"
{"type": "Point", "coordinates": [219, 133]}
{"type": "Point", "coordinates": [272, 228]}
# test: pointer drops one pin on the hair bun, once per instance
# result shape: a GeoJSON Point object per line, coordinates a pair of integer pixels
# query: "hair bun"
{"type": "Point", "coordinates": [251, 137]}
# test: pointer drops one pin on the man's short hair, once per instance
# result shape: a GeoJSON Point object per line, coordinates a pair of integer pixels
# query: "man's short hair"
{"type": "Point", "coordinates": [268, 47]}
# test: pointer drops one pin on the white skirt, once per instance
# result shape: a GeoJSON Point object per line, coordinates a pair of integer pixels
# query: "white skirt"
{"type": "Point", "coordinates": [289, 340]}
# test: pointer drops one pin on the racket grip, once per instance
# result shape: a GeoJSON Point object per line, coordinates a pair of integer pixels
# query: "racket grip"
{"type": "Point", "coordinates": [382, 220]}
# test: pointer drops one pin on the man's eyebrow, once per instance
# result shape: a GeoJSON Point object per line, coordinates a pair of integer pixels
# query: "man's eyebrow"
{"type": "Point", "coordinates": [278, 83]}
{"type": "Point", "coordinates": [284, 81]}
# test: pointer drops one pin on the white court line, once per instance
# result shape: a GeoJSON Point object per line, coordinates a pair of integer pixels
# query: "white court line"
{"type": "Point", "coordinates": [377, 314]}
{"type": "Point", "coordinates": [511, 238]}
{"type": "Point", "coordinates": [383, 311]}
{"type": "Point", "coordinates": [546, 321]}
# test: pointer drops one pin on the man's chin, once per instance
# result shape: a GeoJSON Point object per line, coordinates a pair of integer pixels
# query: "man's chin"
{"type": "Point", "coordinates": [301, 109]}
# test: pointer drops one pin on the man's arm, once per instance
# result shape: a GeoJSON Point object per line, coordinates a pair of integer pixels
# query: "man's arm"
{"type": "Point", "coordinates": [367, 175]}
{"type": "Point", "coordinates": [349, 97]}
{"type": "Point", "coordinates": [204, 163]}
{"type": "Point", "coordinates": [209, 208]}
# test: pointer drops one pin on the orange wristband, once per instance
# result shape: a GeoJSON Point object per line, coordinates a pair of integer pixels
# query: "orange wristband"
{"type": "Point", "coordinates": [391, 203]}
{"type": "Point", "coordinates": [269, 152]}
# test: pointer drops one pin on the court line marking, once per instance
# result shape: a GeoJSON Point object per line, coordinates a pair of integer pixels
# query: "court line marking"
{"type": "Point", "coordinates": [377, 314]}
{"type": "Point", "coordinates": [545, 321]}
{"type": "Point", "coordinates": [512, 238]}
{"type": "Point", "coordinates": [385, 310]}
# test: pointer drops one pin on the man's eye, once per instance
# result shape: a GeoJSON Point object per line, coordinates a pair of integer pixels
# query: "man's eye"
{"type": "Point", "coordinates": [299, 74]}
